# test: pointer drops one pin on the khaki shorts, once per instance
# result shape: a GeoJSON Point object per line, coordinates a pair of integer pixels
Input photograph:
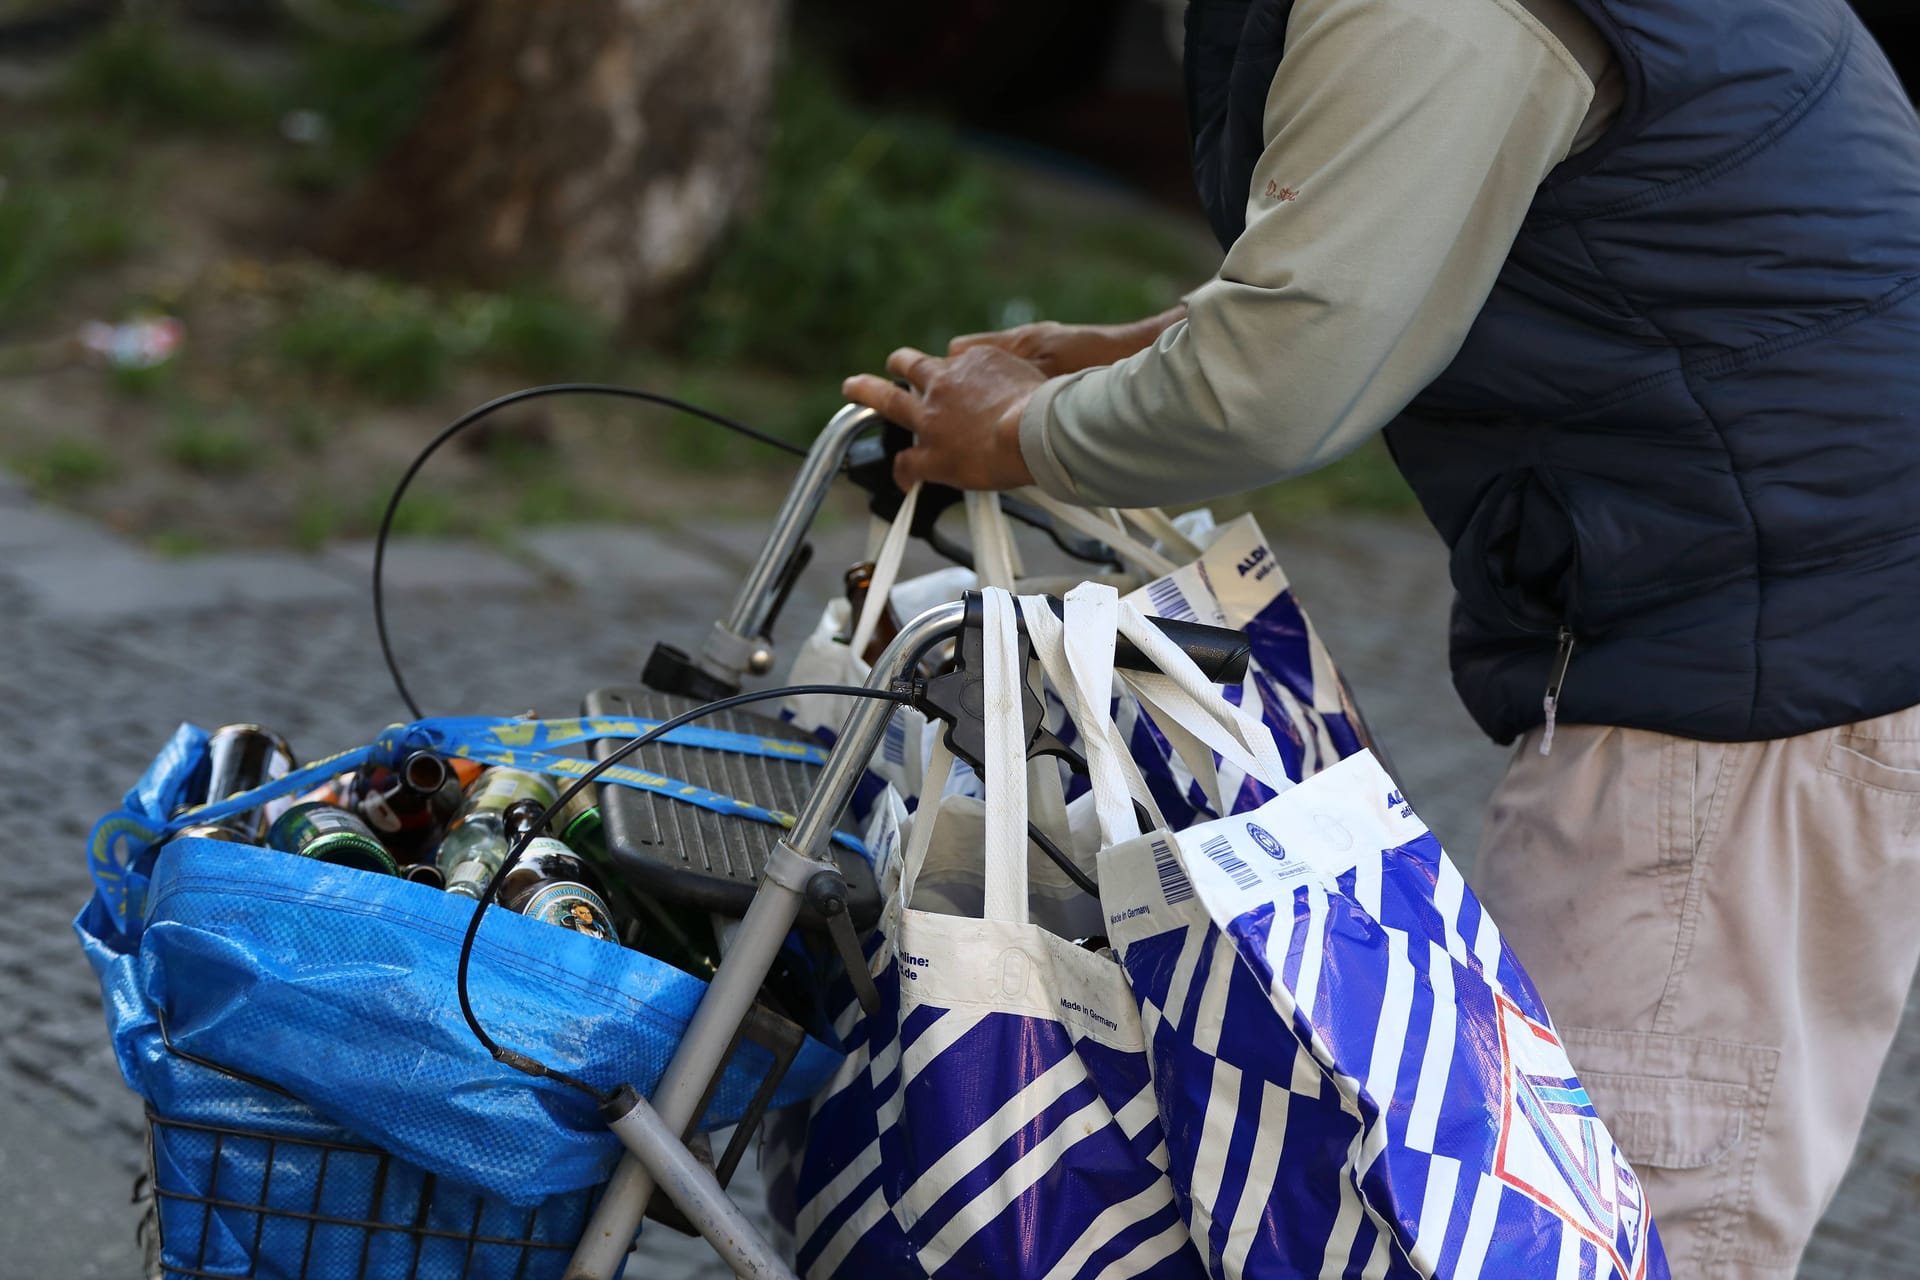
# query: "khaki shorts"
{"type": "Point", "coordinates": [1725, 934]}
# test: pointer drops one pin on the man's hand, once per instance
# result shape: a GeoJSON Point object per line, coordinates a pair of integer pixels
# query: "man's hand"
{"type": "Point", "coordinates": [1068, 348]}
{"type": "Point", "coordinates": [965, 411]}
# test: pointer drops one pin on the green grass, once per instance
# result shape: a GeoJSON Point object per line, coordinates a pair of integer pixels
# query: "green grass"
{"type": "Point", "coordinates": [1365, 481]}
{"type": "Point", "coordinates": [65, 468]}
{"type": "Point", "coordinates": [402, 343]}
{"type": "Point", "coordinates": [538, 334]}
{"type": "Point", "coordinates": [177, 543]}
{"type": "Point", "coordinates": [388, 341]}
{"type": "Point", "coordinates": [427, 512]}
{"type": "Point", "coordinates": [139, 72]}
{"type": "Point", "coordinates": [871, 232]}
{"type": "Point", "coordinates": [317, 519]}
{"type": "Point", "coordinates": [152, 383]}
{"type": "Point", "coordinates": [209, 444]}
{"type": "Point", "coordinates": [368, 96]}
{"type": "Point", "coordinates": [63, 211]}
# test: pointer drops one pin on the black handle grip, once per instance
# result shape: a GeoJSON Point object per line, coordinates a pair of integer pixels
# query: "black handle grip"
{"type": "Point", "coordinates": [1221, 653]}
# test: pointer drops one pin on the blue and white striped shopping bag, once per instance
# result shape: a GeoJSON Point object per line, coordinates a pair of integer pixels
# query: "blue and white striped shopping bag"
{"type": "Point", "coordinates": [1355, 1075]}
{"type": "Point", "coordinates": [996, 1117]}
{"type": "Point", "coordinates": [1291, 685]}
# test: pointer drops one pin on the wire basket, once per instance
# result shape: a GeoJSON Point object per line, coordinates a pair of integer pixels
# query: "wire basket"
{"type": "Point", "coordinates": [295, 1198]}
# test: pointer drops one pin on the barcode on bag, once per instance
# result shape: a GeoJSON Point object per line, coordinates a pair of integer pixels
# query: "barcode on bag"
{"type": "Point", "coordinates": [1220, 849]}
{"type": "Point", "coordinates": [1169, 601]}
{"type": "Point", "coordinates": [1173, 881]}
{"type": "Point", "coordinates": [893, 748]}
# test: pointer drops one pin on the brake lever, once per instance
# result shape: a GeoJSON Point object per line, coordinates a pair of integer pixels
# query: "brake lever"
{"type": "Point", "coordinates": [959, 697]}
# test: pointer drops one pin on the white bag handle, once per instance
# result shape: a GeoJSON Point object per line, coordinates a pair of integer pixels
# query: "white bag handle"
{"type": "Point", "coordinates": [1195, 754]}
{"type": "Point", "coordinates": [996, 560]}
{"type": "Point", "coordinates": [1115, 776]}
{"type": "Point", "coordinates": [1156, 524]}
{"type": "Point", "coordinates": [1181, 699]}
{"type": "Point", "coordinates": [920, 839]}
{"type": "Point", "coordinates": [886, 571]}
{"type": "Point", "coordinates": [1006, 762]}
{"type": "Point", "coordinates": [1005, 775]}
{"type": "Point", "coordinates": [1184, 695]}
{"type": "Point", "coordinates": [1084, 520]}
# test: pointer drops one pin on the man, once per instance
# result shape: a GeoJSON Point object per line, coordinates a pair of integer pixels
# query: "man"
{"type": "Point", "coordinates": [1633, 287]}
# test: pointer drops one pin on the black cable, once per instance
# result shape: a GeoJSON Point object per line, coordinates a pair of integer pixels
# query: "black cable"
{"type": "Point", "coordinates": [533, 1066]}
{"type": "Point", "coordinates": [1062, 861]}
{"type": "Point", "coordinates": [493, 406]}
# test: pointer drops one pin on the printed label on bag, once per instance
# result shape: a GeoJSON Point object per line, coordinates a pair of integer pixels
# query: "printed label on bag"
{"type": "Point", "coordinates": [1246, 858]}
{"type": "Point", "coordinates": [1233, 580]}
{"type": "Point", "coordinates": [1141, 903]}
{"type": "Point", "coordinates": [1555, 1150]}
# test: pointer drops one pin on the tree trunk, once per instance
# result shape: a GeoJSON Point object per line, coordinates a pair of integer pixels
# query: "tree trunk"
{"type": "Point", "coordinates": [596, 146]}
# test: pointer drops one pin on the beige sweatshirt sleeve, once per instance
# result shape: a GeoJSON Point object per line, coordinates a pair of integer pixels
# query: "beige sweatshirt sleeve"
{"type": "Point", "coordinates": [1405, 140]}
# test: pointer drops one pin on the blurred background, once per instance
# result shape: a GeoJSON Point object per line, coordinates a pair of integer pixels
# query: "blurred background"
{"type": "Point", "coordinates": [251, 250]}
{"type": "Point", "coordinates": [253, 253]}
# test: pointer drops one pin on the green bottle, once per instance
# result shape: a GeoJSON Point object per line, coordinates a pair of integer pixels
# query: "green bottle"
{"type": "Point", "coordinates": [668, 932]}
{"type": "Point", "coordinates": [329, 833]}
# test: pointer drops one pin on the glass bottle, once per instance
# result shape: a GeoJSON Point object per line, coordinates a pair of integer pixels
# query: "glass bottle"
{"type": "Point", "coordinates": [407, 803]}
{"type": "Point", "coordinates": [328, 833]}
{"type": "Point", "coordinates": [680, 935]}
{"type": "Point", "coordinates": [552, 884]}
{"type": "Point", "coordinates": [478, 839]}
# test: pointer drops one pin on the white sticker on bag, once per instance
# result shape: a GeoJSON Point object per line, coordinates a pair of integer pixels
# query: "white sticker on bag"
{"type": "Point", "coordinates": [1242, 861]}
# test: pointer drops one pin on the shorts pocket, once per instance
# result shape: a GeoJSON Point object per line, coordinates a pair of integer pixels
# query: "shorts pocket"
{"type": "Point", "coordinates": [1689, 1115]}
{"type": "Point", "coordinates": [1885, 764]}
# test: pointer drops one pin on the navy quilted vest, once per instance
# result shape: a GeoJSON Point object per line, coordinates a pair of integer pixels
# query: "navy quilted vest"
{"type": "Point", "coordinates": [1684, 433]}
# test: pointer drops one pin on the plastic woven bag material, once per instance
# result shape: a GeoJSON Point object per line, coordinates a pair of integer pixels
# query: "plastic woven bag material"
{"type": "Point", "coordinates": [995, 1118]}
{"type": "Point", "coordinates": [1291, 684]}
{"type": "Point", "coordinates": [339, 986]}
{"type": "Point", "coordinates": [1354, 1072]}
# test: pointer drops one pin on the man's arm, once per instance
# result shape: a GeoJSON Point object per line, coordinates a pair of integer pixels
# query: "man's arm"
{"type": "Point", "coordinates": [1405, 142]}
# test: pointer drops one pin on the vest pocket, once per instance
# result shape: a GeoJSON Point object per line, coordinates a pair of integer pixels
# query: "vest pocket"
{"type": "Point", "coordinates": [1518, 559]}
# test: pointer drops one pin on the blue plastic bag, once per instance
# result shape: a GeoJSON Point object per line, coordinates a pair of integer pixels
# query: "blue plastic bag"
{"type": "Point", "coordinates": [339, 986]}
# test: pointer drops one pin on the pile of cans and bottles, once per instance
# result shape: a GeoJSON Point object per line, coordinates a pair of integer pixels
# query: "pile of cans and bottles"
{"type": "Point", "coordinates": [449, 823]}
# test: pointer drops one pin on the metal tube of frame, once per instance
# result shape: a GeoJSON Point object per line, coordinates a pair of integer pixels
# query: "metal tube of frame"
{"type": "Point", "coordinates": [866, 725]}
{"type": "Point", "coordinates": [702, 1051]}
{"type": "Point", "coordinates": [699, 1195]}
{"type": "Point", "coordinates": [733, 641]}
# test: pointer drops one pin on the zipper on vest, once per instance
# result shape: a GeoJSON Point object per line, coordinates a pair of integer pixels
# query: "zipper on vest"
{"type": "Point", "coordinates": [1556, 678]}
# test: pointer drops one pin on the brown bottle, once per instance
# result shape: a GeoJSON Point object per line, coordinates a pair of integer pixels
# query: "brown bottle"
{"type": "Point", "coordinates": [550, 883]}
{"type": "Point", "coordinates": [406, 804]}
{"type": "Point", "coordinates": [859, 581]}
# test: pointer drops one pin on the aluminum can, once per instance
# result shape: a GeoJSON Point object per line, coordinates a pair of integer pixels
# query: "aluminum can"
{"type": "Point", "coordinates": [206, 831]}
{"type": "Point", "coordinates": [241, 757]}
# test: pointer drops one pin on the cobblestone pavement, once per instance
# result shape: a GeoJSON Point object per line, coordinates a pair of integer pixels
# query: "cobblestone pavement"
{"type": "Point", "coordinates": [103, 650]}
